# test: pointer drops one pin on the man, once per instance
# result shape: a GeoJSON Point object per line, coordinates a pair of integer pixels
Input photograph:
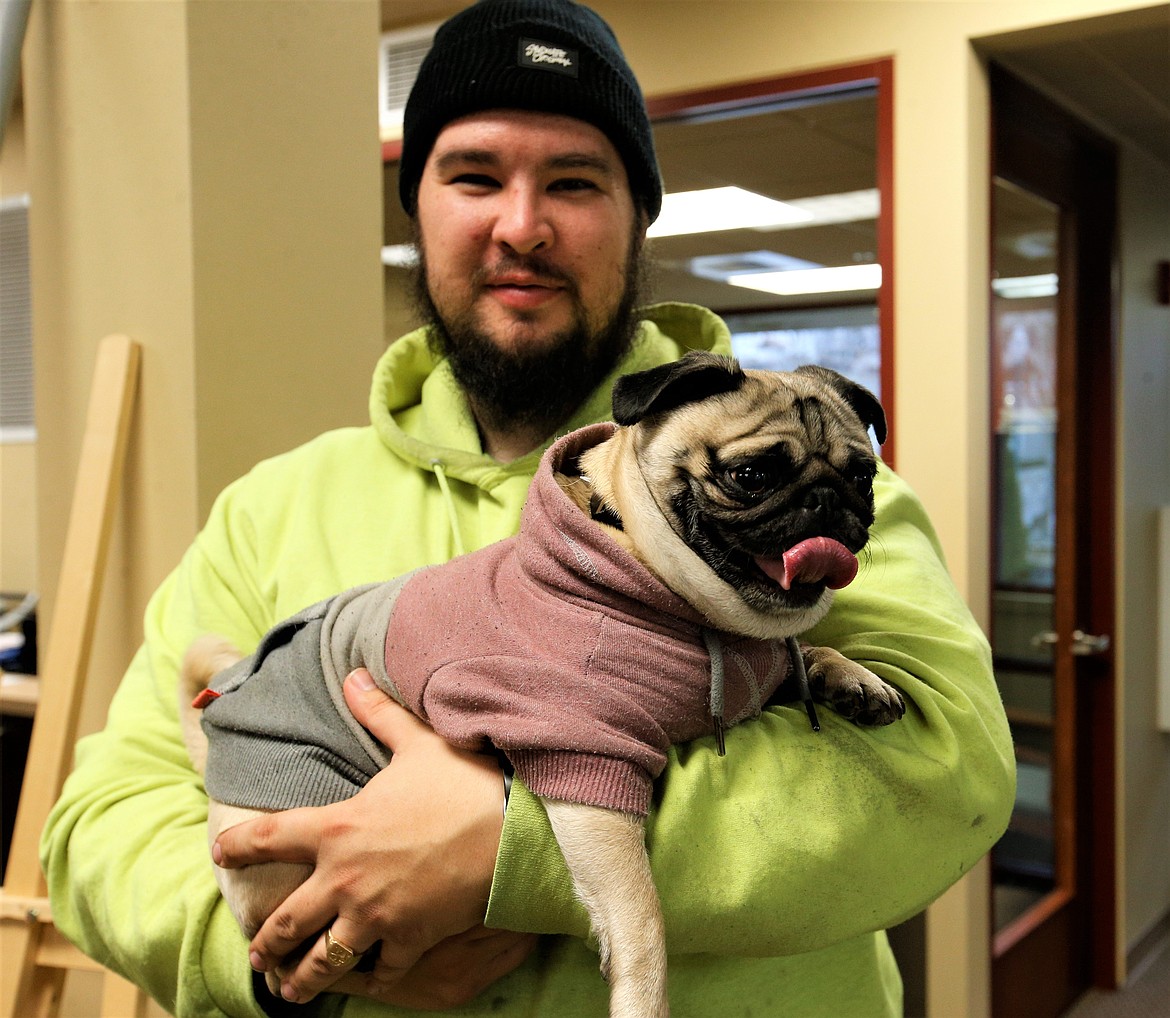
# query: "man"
{"type": "Point", "coordinates": [529, 170]}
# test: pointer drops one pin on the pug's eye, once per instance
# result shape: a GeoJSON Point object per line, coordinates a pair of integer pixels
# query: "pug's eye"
{"type": "Point", "coordinates": [756, 477]}
{"type": "Point", "coordinates": [863, 482]}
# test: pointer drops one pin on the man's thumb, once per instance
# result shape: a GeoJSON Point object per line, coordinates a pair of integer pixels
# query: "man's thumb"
{"type": "Point", "coordinates": [375, 710]}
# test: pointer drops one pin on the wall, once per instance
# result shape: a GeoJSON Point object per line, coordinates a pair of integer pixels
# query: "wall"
{"type": "Point", "coordinates": [1144, 428]}
{"type": "Point", "coordinates": [285, 160]}
{"type": "Point", "coordinates": [18, 517]}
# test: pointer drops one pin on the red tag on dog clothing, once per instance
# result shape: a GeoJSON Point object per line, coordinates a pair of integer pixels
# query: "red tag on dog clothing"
{"type": "Point", "coordinates": [204, 698]}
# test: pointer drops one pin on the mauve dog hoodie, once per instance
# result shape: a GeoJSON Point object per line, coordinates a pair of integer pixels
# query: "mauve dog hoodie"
{"type": "Point", "coordinates": [556, 647]}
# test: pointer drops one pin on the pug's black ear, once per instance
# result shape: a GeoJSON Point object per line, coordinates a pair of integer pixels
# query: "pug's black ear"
{"type": "Point", "coordinates": [863, 402]}
{"type": "Point", "coordinates": [693, 377]}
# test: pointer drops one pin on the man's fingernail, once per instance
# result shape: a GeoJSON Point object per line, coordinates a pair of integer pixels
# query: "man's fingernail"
{"type": "Point", "coordinates": [362, 679]}
{"type": "Point", "coordinates": [256, 961]}
{"type": "Point", "coordinates": [217, 854]}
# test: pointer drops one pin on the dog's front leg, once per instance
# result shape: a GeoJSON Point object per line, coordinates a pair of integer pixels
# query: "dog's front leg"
{"type": "Point", "coordinates": [606, 854]}
{"type": "Point", "coordinates": [851, 689]}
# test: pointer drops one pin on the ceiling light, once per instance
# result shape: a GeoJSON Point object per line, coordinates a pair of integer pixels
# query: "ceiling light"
{"type": "Point", "coordinates": [837, 279]}
{"type": "Point", "coordinates": [847, 207]}
{"type": "Point", "coordinates": [722, 208]}
{"type": "Point", "coordinates": [733, 208]}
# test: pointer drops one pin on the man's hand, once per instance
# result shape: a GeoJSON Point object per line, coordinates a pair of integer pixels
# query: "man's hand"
{"type": "Point", "coordinates": [408, 861]}
{"type": "Point", "coordinates": [451, 974]}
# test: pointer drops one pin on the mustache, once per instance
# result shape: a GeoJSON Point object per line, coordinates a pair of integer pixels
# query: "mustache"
{"type": "Point", "coordinates": [535, 265]}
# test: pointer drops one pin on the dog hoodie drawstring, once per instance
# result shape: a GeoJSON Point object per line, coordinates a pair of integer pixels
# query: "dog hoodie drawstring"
{"type": "Point", "coordinates": [715, 650]}
{"type": "Point", "coordinates": [456, 532]}
{"type": "Point", "coordinates": [796, 661]}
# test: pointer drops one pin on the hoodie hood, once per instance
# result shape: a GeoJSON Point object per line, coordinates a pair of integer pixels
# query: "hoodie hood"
{"type": "Point", "coordinates": [419, 411]}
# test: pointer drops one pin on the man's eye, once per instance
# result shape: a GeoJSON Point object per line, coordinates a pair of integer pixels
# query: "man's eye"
{"type": "Point", "coordinates": [475, 180]}
{"type": "Point", "coordinates": [573, 184]}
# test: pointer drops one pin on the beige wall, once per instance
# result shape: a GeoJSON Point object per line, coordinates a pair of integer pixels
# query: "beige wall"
{"type": "Point", "coordinates": [18, 517]}
{"type": "Point", "coordinates": [1144, 427]}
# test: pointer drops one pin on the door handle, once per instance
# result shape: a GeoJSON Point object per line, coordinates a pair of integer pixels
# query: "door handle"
{"type": "Point", "coordinates": [1085, 644]}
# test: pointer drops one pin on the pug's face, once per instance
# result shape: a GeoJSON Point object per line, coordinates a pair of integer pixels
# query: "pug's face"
{"type": "Point", "coordinates": [752, 491]}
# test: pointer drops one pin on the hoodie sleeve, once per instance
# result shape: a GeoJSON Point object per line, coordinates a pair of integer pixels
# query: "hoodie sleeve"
{"type": "Point", "coordinates": [125, 848]}
{"type": "Point", "coordinates": [798, 840]}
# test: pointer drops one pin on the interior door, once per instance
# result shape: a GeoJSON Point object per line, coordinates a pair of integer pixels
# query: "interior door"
{"type": "Point", "coordinates": [1053, 191]}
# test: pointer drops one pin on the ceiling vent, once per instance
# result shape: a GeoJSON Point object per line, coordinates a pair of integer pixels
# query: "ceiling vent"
{"type": "Point", "coordinates": [400, 55]}
{"type": "Point", "coordinates": [720, 266]}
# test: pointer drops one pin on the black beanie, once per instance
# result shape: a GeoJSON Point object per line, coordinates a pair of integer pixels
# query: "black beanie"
{"type": "Point", "coordinates": [550, 56]}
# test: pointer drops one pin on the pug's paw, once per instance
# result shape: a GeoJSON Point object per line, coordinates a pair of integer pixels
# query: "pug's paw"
{"type": "Point", "coordinates": [852, 690]}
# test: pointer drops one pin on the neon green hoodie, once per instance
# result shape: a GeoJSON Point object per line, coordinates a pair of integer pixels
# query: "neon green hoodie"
{"type": "Point", "coordinates": [776, 863]}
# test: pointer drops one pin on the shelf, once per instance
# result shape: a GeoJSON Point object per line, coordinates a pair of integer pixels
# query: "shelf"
{"type": "Point", "coordinates": [19, 694]}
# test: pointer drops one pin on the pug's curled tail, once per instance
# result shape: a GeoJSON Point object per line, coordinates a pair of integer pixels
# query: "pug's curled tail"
{"type": "Point", "coordinates": [205, 658]}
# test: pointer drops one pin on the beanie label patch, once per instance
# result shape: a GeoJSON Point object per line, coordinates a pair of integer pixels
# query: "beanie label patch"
{"type": "Point", "coordinates": [543, 56]}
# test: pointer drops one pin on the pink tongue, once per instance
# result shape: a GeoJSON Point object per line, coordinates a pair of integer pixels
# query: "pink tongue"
{"type": "Point", "coordinates": [817, 560]}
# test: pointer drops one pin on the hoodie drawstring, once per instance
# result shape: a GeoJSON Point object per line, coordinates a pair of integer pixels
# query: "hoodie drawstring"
{"type": "Point", "coordinates": [715, 650]}
{"type": "Point", "coordinates": [796, 662]}
{"type": "Point", "coordinates": [456, 532]}
{"type": "Point", "coordinates": [797, 659]}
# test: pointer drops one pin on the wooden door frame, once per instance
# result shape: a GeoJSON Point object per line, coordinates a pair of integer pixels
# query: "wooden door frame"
{"type": "Point", "coordinates": [1061, 159]}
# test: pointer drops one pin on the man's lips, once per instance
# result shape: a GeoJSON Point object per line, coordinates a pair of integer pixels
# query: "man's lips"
{"type": "Point", "coordinates": [523, 291]}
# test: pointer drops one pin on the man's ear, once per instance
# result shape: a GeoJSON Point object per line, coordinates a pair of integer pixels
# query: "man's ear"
{"type": "Point", "coordinates": [695, 376]}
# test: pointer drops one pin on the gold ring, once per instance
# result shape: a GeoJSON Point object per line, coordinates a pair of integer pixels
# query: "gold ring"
{"type": "Point", "coordinates": [336, 953]}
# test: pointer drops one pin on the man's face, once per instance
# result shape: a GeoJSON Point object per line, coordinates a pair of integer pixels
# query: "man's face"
{"type": "Point", "coordinates": [529, 239]}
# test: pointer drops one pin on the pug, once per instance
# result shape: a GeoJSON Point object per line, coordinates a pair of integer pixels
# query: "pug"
{"type": "Point", "coordinates": [664, 567]}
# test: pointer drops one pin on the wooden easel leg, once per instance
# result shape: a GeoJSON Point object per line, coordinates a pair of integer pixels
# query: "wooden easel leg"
{"type": "Point", "coordinates": [18, 947]}
{"type": "Point", "coordinates": [28, 986]}
{"type": "Point", "coordinates": [45, 994]}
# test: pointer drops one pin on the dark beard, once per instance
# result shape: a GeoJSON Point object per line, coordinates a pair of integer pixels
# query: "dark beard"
{"type": "Point", "coordinates": [533, 391]}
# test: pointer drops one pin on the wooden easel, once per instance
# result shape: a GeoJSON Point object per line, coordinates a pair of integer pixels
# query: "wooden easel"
{"type": "Point", "coordinates": [35, 955]}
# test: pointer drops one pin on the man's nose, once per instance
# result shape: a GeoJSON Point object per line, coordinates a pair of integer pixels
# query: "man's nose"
{"type": "Point", "coordinates": [522, 224]}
